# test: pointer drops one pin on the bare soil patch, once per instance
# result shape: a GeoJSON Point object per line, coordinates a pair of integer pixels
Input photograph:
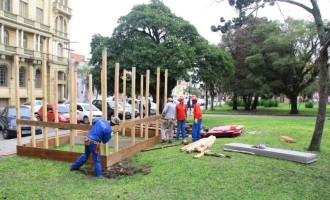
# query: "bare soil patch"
{"type": "Point", "coordinates": [119, 170]}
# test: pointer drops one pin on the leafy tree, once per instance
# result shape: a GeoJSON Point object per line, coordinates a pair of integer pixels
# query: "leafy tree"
{"type": "Point", "coordinates": [287, 55]}
{"type": "Point", "coordinates": [322, 56]}
{"type": "Point", "coordinates": [212, 63]}
{"type": "Point", "coordinates": [148, 37]}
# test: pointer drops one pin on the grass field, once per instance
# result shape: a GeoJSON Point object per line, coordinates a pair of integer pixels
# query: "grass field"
{"type": "Point", "coordinates": [283, 109]}
{"type": "Point", "coordinates": [176, 175]}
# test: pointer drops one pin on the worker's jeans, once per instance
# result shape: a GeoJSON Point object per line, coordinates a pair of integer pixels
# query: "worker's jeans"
{"type": "Point", "coordinates": [181, 127]}
{"type": "Point", "coordinates": [196, 130]}
{"type": "Point", "coordinates": [170, 127]}
{"type": "Point", "coordinates": [89, 149]}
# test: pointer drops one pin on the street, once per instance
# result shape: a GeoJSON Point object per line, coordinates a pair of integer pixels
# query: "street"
{"type": "Point", "coordinates": [9, 146]}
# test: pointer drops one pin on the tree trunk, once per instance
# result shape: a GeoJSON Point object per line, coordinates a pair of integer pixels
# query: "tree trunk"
{"type": "Point", "coordinates": [206, 99]}
{"type": "Point", "coordinates": [294, 104]}
{"type": "Point", "coordinates": [255, 102]}
{"type": "Point", "coordinates": [235, 101]}
{"type": "Point", "coordinates": [315, 144]}
{"type": "Point", "coordinates": [247, 102]}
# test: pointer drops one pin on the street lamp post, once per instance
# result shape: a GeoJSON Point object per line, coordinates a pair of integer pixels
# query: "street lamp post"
{"type": "Point", "coordinates": [68, 67]}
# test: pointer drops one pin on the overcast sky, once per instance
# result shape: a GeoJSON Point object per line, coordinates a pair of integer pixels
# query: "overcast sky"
{"type": "Point", "coordinates": [100, 16]}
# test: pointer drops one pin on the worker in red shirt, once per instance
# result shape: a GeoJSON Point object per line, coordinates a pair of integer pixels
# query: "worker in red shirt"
{"type": "Point", "coordinates": [181, 117]}
{"type": "Point", "coordinates": [196, 128]}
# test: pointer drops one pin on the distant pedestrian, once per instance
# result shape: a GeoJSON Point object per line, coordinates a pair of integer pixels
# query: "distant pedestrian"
{"type": "Point", "coordinates": [181, 117]}
{"type": "Point", "coordinates": [168, 117]}
{"type": "Point", "coordinates": [189, 105]}
{"type": "Point", "coordinates": [196, 128]}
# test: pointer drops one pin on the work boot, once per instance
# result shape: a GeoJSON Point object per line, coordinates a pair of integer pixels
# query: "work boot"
{"type": "Point", "coordinates": [73, 169]}
{"type": "Point", "coordinates": [163, 141]}
{"type": "Point", "coordinates": [170, 141]}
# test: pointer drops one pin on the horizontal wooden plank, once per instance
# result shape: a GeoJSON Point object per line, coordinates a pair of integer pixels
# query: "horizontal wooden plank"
{"type": "Point", "coordinates": [52, 154]}
{"type": "Point", "coordinates": [132, 150]}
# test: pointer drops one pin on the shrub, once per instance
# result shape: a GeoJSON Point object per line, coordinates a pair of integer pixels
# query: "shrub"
{"type": "Point", "coordinates": [309, 105]}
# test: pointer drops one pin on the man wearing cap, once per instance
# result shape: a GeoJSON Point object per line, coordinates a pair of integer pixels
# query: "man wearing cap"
{"type": "Point", "coordinates": [168, 117]}
{"type": "Point", "coordinates": [196, 128]}
{"type": "Point", "coordinates": [181, 117]}
{"type": "Point", "coordinates": [100, 132]}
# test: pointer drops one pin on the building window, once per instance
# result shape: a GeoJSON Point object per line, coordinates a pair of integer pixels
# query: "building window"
{"type": "Point", "coordinates": [60, 24]}
{"type": "Point", "coordinates": [24, 40]}
{"type": "Point", "coordinates": [23, 9]}
{"type": "Point", "coordinates": [5, 37]}
{"type": "Point", "coordinates": [37, 83]}
{"type": "Point", "coordinates": [3, 75]}
{"type": "Point", "coordinates": [60, 76]}
{"type": "Point", "coordinates": [60, 50]}
{"type": "Point", "coordinates": [22, 77]}
{"type": "Point", "coordinates": [6, 5]}
{"type": "Point", "coordinates": [40, 15]}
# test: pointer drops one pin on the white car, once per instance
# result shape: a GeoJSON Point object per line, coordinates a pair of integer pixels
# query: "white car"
{"type": "Point", "coordinates": [37, 105]}
{"type": "Point", "coordinates": [83, 112]}
{"type": "Point", "coordinates": [129, 108]}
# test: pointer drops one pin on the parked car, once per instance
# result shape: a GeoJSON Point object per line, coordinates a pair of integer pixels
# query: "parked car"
{"type": "Point", "coordinates": [111, 109]}
{"type": "Point", "coordinates": [63, 113]}
{"type": "Point", "coordinates": [64, 102]}
{"type": "Point", "coordinates": [37, 105]}
{"type": "Point", "coordinates": [152, 106]}
{"type": "Point", "coordinates": [129, 108]}
{"type": "Point", "coordinates": [83, 112]}
{"type": "Point", "coordinates": [8, 122]}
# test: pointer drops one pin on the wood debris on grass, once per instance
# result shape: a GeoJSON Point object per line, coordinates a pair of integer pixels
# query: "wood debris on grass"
{"type": "Point", "coordinates": [200, 145]}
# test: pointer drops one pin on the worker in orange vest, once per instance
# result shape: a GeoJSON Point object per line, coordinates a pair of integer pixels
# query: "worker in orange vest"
{"type": "Point", "coordinates": [196, 128]}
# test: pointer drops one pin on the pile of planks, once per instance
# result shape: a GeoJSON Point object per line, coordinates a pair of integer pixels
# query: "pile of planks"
{"type": "Point", "coordinates": [200, 145]}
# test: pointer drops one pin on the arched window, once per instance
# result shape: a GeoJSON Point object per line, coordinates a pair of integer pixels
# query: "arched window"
{"type": "Point", "coordinates": [6, 5]}
{"type": "Point", "coordinates": [60, 50]}
{"type": "Point", "coordinates": [37, 83]}
{"type": "Point", "coordinates": [3, 75]}
{"type": "Point", "coordinates": [22, 77]}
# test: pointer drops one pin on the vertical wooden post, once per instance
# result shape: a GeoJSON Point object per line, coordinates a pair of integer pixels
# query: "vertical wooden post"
{"type": "Point", "coordinates": [104, 92]}
{"type": "Point", "coordinates": [124, 98]}
{"type": "Point", "coordinates": [90, 82]}
{"type": "Point", "coordinates": [33, 128]}
{"type": "Point", "coordinates": [57, 143]}
{"type": "Point", "coordinates": [74, 99]}
{"type": "Point", "coordinates": [147, 104]}
{"type": "Point", "coordinates": [72, 134]}
{"type": "Point", "coordinates": [17, 96]}
{"type": "Point", "coordinates": [133, 104]}
{"type": "Point", "coordinates": [45, 99]}
{"type": "Point", "coordinates": [116, 103]}
{"type": "Point", "coordinates": [165, 87]}
{"type": "Point", "coordinates": [157, 99]}
{"type": "Point", "coordinates": [141, 105]}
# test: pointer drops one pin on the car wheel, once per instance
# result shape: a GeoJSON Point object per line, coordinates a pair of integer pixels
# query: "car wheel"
{"type": "Point", "coordinates": [86, 120]}
{"type": "Point", "coordinates": [5, 134]}
{"type": "Point", "coordinates": [38, 132]}
{"type": "Point", "coordinates": [38, 118]}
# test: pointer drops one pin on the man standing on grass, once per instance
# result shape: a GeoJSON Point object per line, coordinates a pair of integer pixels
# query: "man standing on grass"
{"type": "Point", "coordinates": [168, 117]}
{"type": "Point", "coordinates": [181, 117]}
{"type": "Point", "coordinates": [100, 132]}
{"type": "Point", "coordinates": [196, 128]}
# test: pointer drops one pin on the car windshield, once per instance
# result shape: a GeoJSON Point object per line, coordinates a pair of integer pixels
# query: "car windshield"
{"type": "Point", "coordinates": [112, 105]}
{"type": "Point", "coordinates": [86, 107]}
{"type": "Point", "coordinates": [25, 112]}
{"type": "Point", "coordinates": [38, 103]}
{"type": "Point", "coordinates": [63, 109]}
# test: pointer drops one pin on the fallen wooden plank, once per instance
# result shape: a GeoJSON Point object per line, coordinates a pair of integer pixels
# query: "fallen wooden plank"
{"type": "Point", "coordinates": [296, 156]}
{"type": "Point", "coordinates": [201, 154]}
{"type": "Point", "coordinates": [162, 147]}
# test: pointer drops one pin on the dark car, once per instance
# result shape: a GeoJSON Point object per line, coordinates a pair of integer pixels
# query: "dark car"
{"type": "Point", "coordinates": [111, 109]}
{"type": "Point", "coordinates": [8, 122]}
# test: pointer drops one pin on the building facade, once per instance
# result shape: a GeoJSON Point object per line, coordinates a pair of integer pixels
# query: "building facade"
{"type": "Point", "coordinates": [29, 31]}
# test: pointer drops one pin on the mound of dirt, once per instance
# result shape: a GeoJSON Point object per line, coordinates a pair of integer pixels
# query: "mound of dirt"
{"type": "Point", "coordinates": [121, 169]}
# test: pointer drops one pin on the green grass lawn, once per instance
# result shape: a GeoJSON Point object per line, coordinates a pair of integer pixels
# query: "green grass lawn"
{"type": "Point", "coordinates": [283, 109]}
{"type": "Point", "coordinates": [176, 175]}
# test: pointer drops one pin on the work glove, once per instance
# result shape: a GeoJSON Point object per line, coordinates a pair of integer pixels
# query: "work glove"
{"type": "Point", "coordinates": [195, 121]}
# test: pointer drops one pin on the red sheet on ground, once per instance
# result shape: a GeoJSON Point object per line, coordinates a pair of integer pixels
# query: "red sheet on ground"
{"type": "Point", "coordinates": [225, 131]}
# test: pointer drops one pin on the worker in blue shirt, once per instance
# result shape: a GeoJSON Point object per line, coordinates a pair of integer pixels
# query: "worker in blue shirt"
{"type": "Point", "coordinates": [100, 132]}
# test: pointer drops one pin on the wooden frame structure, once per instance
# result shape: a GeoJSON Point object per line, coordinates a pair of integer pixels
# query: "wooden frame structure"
{"type": "Point", "coordinates": [42, 148]}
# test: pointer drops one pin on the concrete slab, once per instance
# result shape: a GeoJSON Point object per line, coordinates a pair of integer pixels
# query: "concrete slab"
{"type": "Point", "coordinates": [296, 156]}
